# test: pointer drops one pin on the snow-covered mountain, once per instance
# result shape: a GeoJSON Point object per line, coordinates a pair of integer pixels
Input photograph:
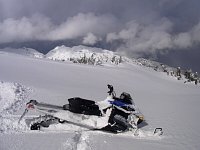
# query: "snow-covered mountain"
{"type": "Point", "coordinates": [86, 55]}
{"type": "Point", "coordinates": [97, 56]}
{"type": "Point", "coordinates": [93, 56]}
{"type": "Point", "coordinates": [23, 51]}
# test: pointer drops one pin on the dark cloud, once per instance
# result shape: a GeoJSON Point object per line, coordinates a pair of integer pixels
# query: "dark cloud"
{"type": "Point", "coordinates": [141, 26]}
{"type": "Point", "coordinates": [184, 58]}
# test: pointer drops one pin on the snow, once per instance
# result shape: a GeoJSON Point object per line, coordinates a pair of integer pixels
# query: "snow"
{"type": "Point", "coordinates": [23, 51]}
{"type": "Point", "coordinates": [165, 102]}
{"type": "Point", "coordinates": [12, 98]}
{"type": "Point", "coordinates": [11, 94]}
{"type": "Point", "coordinates": [86, 55]}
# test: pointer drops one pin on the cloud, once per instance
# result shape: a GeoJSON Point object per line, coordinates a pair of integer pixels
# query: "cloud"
{"type": "Point", "coordinates": [140, 37]}
{"type": "Point", "coordinates": [137, 26]}
{"type": "Point", "coordinates": [183, 40]}
{"type": "Point", "coordinates": [39, 27]}
{"type": "Point", "coordinates": [149, 38]}
{"type": "Point", "coordinates": [90, 39]}
{"type": "Point", "coordinates": [82, 24]}
{"type": "Point", "coordinates": [196, 32]}
{"type": "Point", "coordinates": [130, 31]}
{"type": "Point", "coordinates": [24, 29]}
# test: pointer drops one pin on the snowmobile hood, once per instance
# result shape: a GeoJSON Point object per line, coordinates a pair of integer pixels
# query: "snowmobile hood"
{"type": "Point", "coordinates": [105, 103]}
{"type": "Point", "coordinates": [118, 103]}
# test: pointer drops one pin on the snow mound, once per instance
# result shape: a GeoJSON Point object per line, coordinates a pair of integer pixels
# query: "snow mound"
{"type": "Point", "coordinates": [9, 124]}
{"type": "Point", "coordinates": [24, 51]}
{"type": "Point", "coordinates": [12, 98]}
{"type": "Point", "coordinates": [85, 55]}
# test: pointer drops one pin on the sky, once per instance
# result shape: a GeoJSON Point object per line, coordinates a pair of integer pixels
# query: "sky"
{"type": "Point", "coordinates": [152, 28]}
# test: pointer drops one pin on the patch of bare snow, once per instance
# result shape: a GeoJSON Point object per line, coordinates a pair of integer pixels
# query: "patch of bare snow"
{"type": "Point", "coordinates": [80, 141]}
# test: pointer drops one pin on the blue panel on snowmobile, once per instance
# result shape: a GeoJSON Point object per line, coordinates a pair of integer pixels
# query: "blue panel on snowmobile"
{"type": "Point", "coordinates": [118, 103]}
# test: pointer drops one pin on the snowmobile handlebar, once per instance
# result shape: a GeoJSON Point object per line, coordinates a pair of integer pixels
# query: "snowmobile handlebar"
{"type": "Point", "coordinates": [110, 87]}
{"type": "Point", "coordinates": [111, 90]}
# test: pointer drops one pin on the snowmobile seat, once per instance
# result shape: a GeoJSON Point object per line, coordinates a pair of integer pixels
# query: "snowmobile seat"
{"type": "Point", "coordinates": [83, 106]}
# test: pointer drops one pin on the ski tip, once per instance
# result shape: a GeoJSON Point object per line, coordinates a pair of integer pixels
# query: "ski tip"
{"type": "Point", "coordinates": [158, 131]}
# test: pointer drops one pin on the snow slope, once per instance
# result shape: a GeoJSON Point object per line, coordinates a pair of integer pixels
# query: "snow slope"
{"type": "Point", "coordinates": [23, 51]}
{"type": "Point", "coordinates": [90, 56]}
{"type": "Point", "coordinates": [165, 102]}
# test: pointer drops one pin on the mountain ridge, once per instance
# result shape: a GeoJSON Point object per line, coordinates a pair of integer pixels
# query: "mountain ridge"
{"type": "Point", "coordinates": [94, 56]}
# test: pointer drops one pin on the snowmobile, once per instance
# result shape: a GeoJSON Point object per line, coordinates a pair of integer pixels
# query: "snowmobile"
{"type": "Point", "coordinates": [114, 114]}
